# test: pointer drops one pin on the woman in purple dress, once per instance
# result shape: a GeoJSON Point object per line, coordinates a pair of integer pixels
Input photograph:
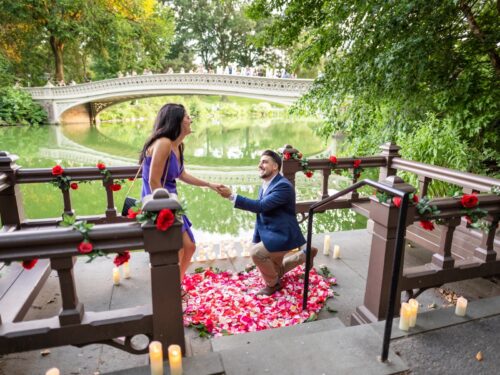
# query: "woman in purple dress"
{"type": "Point", "coordinates": [164, 149]}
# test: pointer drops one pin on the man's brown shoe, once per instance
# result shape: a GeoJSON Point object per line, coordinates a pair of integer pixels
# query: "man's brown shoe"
{"type": "Point", "coordinates": [268, 290]}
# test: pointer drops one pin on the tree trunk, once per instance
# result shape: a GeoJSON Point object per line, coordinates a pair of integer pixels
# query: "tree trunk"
{"type": "Point", "coordinates": [57, 49]}
{"type": "Point", "coordinates": [477, 32]}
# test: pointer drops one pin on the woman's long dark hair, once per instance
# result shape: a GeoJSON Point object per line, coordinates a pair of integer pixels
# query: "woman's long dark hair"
{"type": "Point", "coordinates": [167, 124]}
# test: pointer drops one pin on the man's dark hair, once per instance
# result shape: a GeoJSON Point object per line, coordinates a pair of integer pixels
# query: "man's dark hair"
{"type": "Point", "coordinates": [274, 156]}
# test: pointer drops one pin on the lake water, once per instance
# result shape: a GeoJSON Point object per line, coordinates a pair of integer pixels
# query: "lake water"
{"type": "Point", "coordinates": [225, 150]}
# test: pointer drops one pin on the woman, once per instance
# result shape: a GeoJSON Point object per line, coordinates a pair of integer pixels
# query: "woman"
{"type": "Point", "coordinates": [164, 163]}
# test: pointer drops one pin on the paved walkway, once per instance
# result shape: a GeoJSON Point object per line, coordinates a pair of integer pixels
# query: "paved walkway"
{"type": "Point", "coordinates": [96, 291]}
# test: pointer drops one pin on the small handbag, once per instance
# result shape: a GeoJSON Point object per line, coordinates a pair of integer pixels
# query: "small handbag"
{"type": "Point", "coordinates": [131, 201]}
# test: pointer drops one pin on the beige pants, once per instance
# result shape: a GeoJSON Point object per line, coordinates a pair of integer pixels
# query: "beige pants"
{"type": "Point", "coordinates": [273, 265]}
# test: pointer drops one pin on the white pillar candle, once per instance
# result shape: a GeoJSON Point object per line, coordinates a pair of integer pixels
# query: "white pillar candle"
{"type": "Point", "coordinates": [175, 359]}
{"type": "Point", "coordinates": [336, 252]}
{"type": "Point", "coordinates": [461, 306]}
{"type": "Point", "coordinates": [126, 270]}
{"type": "Point", "coordinates": [404, 317]}
{"type": "Point", "coordinates": [156, 358]}
{"type": "Point", "coordinates": [414, 311]}
{"type": "Point", "coordinates": [53, 371]}
{"type": "Point", "coordinates": [326, 245]}
{"type": "Point", "coordinates": [116, 276]}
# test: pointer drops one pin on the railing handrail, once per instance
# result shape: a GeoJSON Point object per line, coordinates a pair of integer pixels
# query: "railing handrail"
{"type": "Point", "coordinates": [36, 175]}
{"type": "Point", "coordinates": [399, 246]}
{"type": "Point", "coordinates": [62, 242]}
{"type": "Point", "coordinates": [453, 176]}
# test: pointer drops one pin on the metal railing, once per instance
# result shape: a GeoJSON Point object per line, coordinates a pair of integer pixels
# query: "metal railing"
{"type": "Point", "coordinates": [399, 246]}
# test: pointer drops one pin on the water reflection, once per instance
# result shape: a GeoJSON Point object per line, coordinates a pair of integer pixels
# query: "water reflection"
{"type": "Point", "coordinates": [227, 152]}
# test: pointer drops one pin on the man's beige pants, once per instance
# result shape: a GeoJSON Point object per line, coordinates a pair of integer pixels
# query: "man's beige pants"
{"type": "Point", "coordinates": [273, 265]}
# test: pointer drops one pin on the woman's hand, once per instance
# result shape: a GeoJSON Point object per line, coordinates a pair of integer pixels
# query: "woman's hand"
{"type": "Point", "coordinates": [220, 189]}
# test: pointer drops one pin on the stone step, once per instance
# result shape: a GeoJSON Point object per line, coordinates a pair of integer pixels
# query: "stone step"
{"type": "Point", "coordinates": [277, 334]}
{"type": "Point", "coordinates": [348, 350]}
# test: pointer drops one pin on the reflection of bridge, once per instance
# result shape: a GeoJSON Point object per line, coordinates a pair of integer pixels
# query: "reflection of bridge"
{"type": "Point", "coordinates": [83, 102]}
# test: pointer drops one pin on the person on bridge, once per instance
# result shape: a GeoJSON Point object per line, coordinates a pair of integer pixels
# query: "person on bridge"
{"type": "Point", "coordinates": [163, 159]}
{"type": "Point", "coordinates": [277, 233]}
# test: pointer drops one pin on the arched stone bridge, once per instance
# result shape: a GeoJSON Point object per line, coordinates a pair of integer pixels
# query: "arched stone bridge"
{"type": "Point", "coordinates": [83, 102]}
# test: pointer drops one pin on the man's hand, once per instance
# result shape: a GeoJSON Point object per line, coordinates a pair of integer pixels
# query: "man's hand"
{"type": "Point", "coordinates": [224, 191]}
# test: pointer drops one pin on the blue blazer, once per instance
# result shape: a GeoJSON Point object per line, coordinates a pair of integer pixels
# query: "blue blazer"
{"type": "Point", "coordinates": [276, 225]}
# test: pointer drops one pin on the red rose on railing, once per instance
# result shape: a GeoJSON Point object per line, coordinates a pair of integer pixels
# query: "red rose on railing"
{"type": "Point", "coordinates": [57, 170]}
{"type": "Point", "coordinates": [73, 186]}
{"type": "Point", "coordinates": [415, 198]}
{"type": "Point", "coordinates": [287, 156]}
{"type": "Point", "coordinates": [397, 201]}
{"type": "Point", "coordinates": [426, 224]}
{"type": "Point", "coordinates": [116, 187]}
{"type": "Point", "coordinates": [333, 159]}
{"type": "Point", "coordinates": [121, 258]}
{"type": "Point", "coordinates": [85, 247]}
{"type": "Point", "coordinates": [101, 166]}
{"type": "Point", "coordinates": [29, 264]}
{"type": "Point", "coordinates": [308, 174]}
{"type": "Point", "coordinates": [356, 163]}
{"type": "Point", "coordinates": [165, 219]}
{"type": "Point", "coordinates": [132, 214]}
{"type": "Point", "coordinates": [469, 200]}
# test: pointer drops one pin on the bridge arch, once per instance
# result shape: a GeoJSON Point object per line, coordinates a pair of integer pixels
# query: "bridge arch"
{"type": "Point", "coordinates": [85, 101]}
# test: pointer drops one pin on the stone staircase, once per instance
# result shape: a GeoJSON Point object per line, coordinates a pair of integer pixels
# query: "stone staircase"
{"type": "Point", "coordinates": [319, 347]}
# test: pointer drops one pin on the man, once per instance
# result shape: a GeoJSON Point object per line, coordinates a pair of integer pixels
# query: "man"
{"type": "Point", "coordinates": [277, 231]}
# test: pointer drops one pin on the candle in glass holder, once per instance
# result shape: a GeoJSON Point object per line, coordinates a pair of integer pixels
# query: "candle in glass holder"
{"type": "Point", "coordinates": [461, 306]}
{"type": "Point", "coordinates": [175, 359]}
{"type": "Point", "coordinates": [404, 317]}
{"type": "Point", "coordinates": [156, 358]}
{"type": "Point", "coordinates": [53, 371]}
{"type": "Point", "coordinates": [126, 270]}
{"type": "Point", "coordinates": [116, 276]}
{"type": "Point", "coordinates": [326, 245]}
{"type": "Point", "coordinates": [414, 311]}
{"type": "Point", "coordinates": [336, 252]}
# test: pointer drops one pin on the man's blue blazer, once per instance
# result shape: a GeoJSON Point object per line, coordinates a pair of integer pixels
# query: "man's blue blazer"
{"type": "Point", "coordinates": [276, 225]}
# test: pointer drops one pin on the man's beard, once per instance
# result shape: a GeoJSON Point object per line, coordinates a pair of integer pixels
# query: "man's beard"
{"type": "Point", "coordinates": [266, 174]}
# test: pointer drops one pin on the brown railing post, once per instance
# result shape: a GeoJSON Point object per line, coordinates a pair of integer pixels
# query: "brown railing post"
{"type": "Point", "coordinates": [72, 310]}
{"type": "Point", "coordinates": [291, 166]}
{"type": "Point", "coordinates": [163, 249]}
{"type": "Point", "coordinates": [486, 251]}
{"type": "Point", "coordinates": [443, 259]}
{"type": "Point", "coordinates": [326, 174]}
{"type": "Point", "coordinates": [378, 281]}
{"type": "Point", "coordinates": [423, 185]}
{"type": "Point", "coordinates": [110, 199]}
{"type": "Point", "coordinates": [389, 151]}
{"type": "Point", "coordinates": [11, 205]}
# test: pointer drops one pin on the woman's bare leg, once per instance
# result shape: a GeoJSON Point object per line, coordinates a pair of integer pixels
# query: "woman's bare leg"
{"type": "Point", "coordinates": [186, 253]}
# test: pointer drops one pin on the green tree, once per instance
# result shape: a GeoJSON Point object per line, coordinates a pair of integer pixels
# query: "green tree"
{"type": "Point", "coordinates": [399, 70]}
{"type": "Point", "coordinates": [130, 33]}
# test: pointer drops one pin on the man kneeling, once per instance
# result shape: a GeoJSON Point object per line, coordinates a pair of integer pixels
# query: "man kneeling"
{"type": "Point", "coordinates": [277, 231]}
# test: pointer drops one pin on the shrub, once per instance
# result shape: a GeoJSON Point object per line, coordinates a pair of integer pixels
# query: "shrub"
{"type": "Point", "coordinates": [18, 108]}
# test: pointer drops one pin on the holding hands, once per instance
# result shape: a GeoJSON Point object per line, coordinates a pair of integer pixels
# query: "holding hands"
{"type": "Point", "coordinates": [221, 189]}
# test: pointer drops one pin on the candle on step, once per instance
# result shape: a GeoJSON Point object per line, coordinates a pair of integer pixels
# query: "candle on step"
{"type": "Point", "coordinates": [326, 245]}
{"type": "Point", "coordinates": [175, 359]}
{"type": "Point", "coordinates": [404, 317]}
{"type": "Point", "coordinates": [156, 358]}
{"type": "Point", "coordinates": [53, 371]}
{"type": "Point", "coordinates": [336, 252]}
{"type": "Point", "coordinates": [461, 306]}
{"type": "Point", "coordinates": [414, 311]}
{"type": "Point", "coordinates": [126, 270]}
{"type": "Point", "coordinates": [116, 276]}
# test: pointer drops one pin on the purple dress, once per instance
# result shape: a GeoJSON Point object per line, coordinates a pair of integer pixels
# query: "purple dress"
{"type": "Point", "coordinates": [175, 169]}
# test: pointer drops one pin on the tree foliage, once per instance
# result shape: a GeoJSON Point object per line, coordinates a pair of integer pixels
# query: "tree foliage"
{"type": "Point", "coordinates": [18, 108]}
{"type": "Point", "coordinates": [418, 72]}
{"type": "Point", "coordinates": [113, 34]}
